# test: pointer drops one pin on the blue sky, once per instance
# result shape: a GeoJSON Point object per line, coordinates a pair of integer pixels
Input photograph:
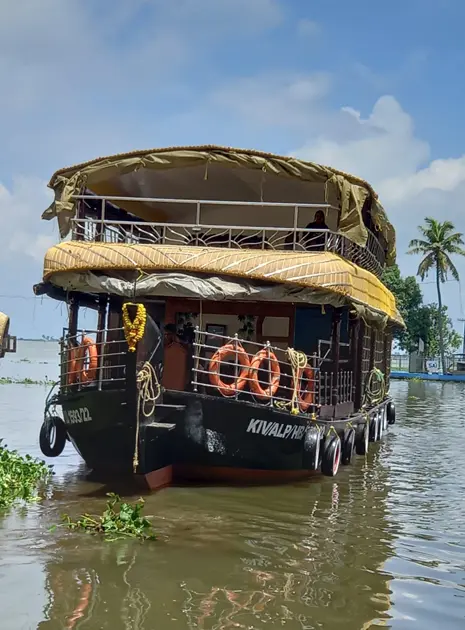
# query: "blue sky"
{"type": "Point", "coordinates": [373, 88]}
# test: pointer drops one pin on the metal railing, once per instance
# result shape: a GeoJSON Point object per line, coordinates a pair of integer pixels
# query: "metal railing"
{"type": "Point", "coordinates": [344, 380]}
{"type": "Point", "coordinates": [93, 224]}
{"type": "Point", "coordinates": [207, 344]}
{"type": "Point", "coordinates": [325, 355]}
{"type": "Point", "coordinates": [404, 363]}
{"type": "Point", "coordinates": [9, 344]}
{"type": "Point", "coordinates": [111, 349]}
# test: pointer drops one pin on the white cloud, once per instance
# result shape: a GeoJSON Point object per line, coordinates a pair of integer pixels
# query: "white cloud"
{"type": "Point", "coordinates": [308, 29]}
{"type": "Point", "coordinates": [275, 99]}
{"type": "Point", "coordinates": [379, 147]}
{"type": "Point", "coordinates": [22, 233]}
{"type": "Point", "coordinates": [397, 163]}
{"type": "Point", "coordinates": [223, 16]}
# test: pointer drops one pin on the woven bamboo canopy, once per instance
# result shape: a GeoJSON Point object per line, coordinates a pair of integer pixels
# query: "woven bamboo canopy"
{"type": "Point", "coordinates": [317, 270]}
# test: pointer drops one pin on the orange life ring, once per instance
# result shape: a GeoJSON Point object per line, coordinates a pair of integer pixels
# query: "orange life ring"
{"type": "Point", "coordinates": [214, 369]}
{"type": "Point", "coordinates": [306, 396]}
{"type": "Point", "coordinates": [87, 346]}
{"type": "Point", "coordinates": [275, 371]}
{"type": "Point", "coordinates": [72, 365]}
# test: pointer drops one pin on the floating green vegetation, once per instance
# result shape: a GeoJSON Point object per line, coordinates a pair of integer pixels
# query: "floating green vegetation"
{"type": "Point", "coordinates": [20, 477]}
{"type": "Point", "coordinates": [7, 380]}
{"type": "Point", "coordinates": [119, 520]}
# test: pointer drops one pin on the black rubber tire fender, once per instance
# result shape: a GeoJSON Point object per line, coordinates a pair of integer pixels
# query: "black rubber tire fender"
{"type": "Point", "coordinates": [312, 449]}
{"type": "Point", "coordinates": [331, 459]}
{"type": "Point", "coordinates": [391, 412]}
{"type": "Point", "coordinates": [380, 425]}
{"type": "Point", "coordinates": [362, 442]}
{"type": "Point", "coordinates": [348, 446]}
{"type": "Point", "coordinates": [52, 436]}
{"type": "Point", "coordinates": [384, 417]}
{"type": "Point", "coordinates": [374, 428]}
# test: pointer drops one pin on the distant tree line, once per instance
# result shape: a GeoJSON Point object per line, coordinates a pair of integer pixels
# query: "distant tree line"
{"type": "Point", "coordinates": [422, 320]}
{"type": "Point", "coordinates": [429, 322]}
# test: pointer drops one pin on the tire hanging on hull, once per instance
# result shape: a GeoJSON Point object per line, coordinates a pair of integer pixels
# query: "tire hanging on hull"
{"type": "Point", "coordinates": [52, 436]}
{"type": "Point", "coordinates": [312, 449]}
{"type": "Point", "coordinates": [331, 456]}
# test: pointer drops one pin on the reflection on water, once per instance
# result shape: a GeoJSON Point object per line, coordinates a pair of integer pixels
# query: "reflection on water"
{"type": "Point", "coordinates": [381, 545]}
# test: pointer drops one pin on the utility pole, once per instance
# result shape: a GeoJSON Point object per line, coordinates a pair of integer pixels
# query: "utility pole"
{"type": "Point", "coordinates": [462, 319]}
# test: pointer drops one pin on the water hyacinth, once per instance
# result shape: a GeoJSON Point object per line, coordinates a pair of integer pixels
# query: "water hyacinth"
{"type": "Point", "coordinates": [7, 380]}
{"type": "Point", "coordinates": [20, 477]}
{"type": "Point", "coordinates": [119, 520]}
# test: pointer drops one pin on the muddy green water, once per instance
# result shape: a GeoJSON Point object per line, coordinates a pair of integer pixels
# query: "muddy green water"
{"type": "Point", "coordinates": [382, 545]}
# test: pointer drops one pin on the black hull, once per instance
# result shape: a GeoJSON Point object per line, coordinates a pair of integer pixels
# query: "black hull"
{"type": "Point", "coordinates": [101, 429]}
{"type": "Point", "coordinates": [195, 437]}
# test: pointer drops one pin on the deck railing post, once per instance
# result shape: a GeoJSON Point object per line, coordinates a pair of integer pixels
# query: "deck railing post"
{"type": "Point", "coordinates": [197, 334]}
{"type": "Point", "coordinates": [236, 366]}
{"type": "Point", "coordinates": [270, 380]}
{"type": "Point", "coordinates": [100, 227]}
{"type": "Point", "coordinates": [317, 381]}
{"type": "Point", "coordinates": [295, 225]}
{"type": "Point", "coordinates": [100, 339]}
{"type": "Point", "coordinates": [63, 362]}
{"type": "Point", "coordinates": [336, 350]}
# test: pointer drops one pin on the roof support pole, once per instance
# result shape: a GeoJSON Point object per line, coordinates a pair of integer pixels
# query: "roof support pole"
{"type": "Point", "coordinates": [335, 352]}
{"type": "Point", "coordinates": [296, 223]}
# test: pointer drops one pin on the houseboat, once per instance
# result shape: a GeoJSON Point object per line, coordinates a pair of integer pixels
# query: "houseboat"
{"type": "Point", "coordinates": [241, 330]}
{"type": "Point", "coordinates": [7, 342]}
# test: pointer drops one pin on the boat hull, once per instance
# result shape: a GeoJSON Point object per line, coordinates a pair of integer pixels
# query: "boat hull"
{"type": "Point", "coordinates": [195, 437]}
{"type": "Point", "coordinates": [101, 429]}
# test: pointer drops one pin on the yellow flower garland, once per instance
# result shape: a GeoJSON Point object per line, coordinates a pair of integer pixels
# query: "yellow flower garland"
{"type": "Point", "coordinates": [134, 330]}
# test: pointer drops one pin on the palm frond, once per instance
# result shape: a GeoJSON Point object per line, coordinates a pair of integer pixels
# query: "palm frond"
{"type": "Point", "coordinates": [439, 242]}
{"type": "Point", "coordinates": [449, 265]}
{"type": "Point", "coordinates": [417, 246]}
{"type": "Point", "coordinates": [426, 265]}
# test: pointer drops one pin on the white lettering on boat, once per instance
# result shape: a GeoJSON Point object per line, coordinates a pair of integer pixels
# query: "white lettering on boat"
{"type": "Point", "coordinates": [77, 416]}
{"type": "Point", "coordinates": [276, 429]}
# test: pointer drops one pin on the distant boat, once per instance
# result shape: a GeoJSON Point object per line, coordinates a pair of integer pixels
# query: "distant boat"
{"type": "Point", "coordinates": [7, 341]}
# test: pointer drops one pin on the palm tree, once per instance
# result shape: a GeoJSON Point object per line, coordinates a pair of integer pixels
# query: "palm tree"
{"type": "Point", "coordinates": [439, 242]}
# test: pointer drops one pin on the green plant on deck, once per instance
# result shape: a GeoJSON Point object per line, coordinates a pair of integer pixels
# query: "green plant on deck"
{"type": "Point", "coordinates": [247, 330]}
{"type": "Point", "coordinates": [119, 520]}
{"type": "Point", "coordinates": [20, 477]}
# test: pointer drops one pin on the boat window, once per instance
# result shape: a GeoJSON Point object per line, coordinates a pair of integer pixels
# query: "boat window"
{"type": "Point", "coordinates": [273, 327]}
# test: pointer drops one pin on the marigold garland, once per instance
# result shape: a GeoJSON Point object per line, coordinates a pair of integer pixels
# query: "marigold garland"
{"type": "Point", "coordinates": [134, 330]}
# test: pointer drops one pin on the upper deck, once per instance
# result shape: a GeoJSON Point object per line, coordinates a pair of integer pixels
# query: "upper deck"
{"type": "Point", "coordinates": [226, 224]}
{"type": "Point", "coordinates": [227, 198]}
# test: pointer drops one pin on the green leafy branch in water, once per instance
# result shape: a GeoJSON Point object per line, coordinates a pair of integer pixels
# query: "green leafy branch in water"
{"type": "Point", "coordinates": [119, 520]}
{"type": "Point", "coordinates": [20, 477]}
{"type": "Point", "coordinates": [6, 380]}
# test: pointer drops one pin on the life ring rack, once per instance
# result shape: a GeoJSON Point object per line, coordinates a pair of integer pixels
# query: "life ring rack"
{"type": "Point", "coordinates": [306, 397]}
{"type": "Point", "coordinates": [265, 354]}
{"type": "Point", "coordinates": [77, 373]}
{"type": "Point", "coordinates": [214, 369]}
{"type": "Point", "coordinates": [248, 374]}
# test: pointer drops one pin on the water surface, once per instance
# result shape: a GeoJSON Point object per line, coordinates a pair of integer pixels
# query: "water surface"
{"type": "Point", "coordinates": [381, 545]}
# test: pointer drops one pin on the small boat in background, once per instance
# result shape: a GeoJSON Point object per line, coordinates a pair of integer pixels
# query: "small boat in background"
{"type": "Point", "coordinates": [7, 341]}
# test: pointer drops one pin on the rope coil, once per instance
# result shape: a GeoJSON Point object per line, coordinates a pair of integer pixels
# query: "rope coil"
{"type": "Point", "coordinates": [149, 392]}
{"type": "Point", "coordinates": [298, 361]}
{"type": "Point", "coordinates": [375, 388]}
